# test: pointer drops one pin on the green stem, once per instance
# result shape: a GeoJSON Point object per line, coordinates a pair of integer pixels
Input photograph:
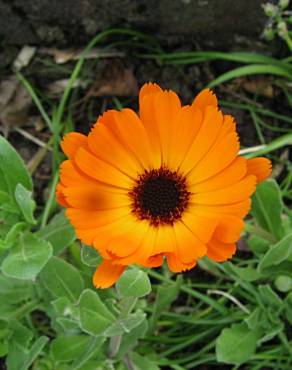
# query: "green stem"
{"type": "Point", "coordinates": [50, 201]}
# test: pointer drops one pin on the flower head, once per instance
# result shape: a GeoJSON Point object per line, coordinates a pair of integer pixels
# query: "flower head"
{"type": "Point", "coordinates": [167, 184]}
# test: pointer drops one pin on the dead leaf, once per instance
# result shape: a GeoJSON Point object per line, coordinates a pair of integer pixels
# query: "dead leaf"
{"type": "Point", "coordinates": [66, 55]}
{"type": "Point", "coordinates": [260, 86]}
{"type": "Point", "coordinates": [57, 87]}
{"type": "Point", "coordinates": [24, 57]}
{"type": "Point", "coordinates": [115, 81]}
{"type": "Point", "coordinates": [15, 102]}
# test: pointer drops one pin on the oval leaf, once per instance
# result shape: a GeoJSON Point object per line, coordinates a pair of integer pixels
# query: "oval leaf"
{"type": "Point", "coordinates": [133, 283]}
{"type": "Point", "coordinates": [27, 259]}
{"type": "Point", "coordinates": [237, 344]}
{"type": "Point", "coordinates": [12, 169]}
{"type": "Point", "coordinates": [62, 279]}
{"type": "Point", "coordinates": [267, 208]}
{"type": "Point", "coordinates": [95, 317]}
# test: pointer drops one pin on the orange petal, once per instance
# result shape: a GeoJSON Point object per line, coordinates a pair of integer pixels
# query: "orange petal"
{"type": "Point", "coordinates": [148, 88]}
{"type": "Point", "coordinates": [219, 251]}
{"type": "Point", "coordinates": [146, 107]}
{"type": "Point", "coordinates": [60, 195]}
{"type": "Point", "coordinates": [231, 194]}
{"type": "Point", "coordinates": [71, 142]}
{"type": "Point", "coordinates": [164, 241]}
{"type": "Point", "coordinates": [186, 127]}
{"type": "Point", "coordinates": [87, 219]}
{"type": "Point", "coordinates": [100, 170]}
{"type": "Point", "coordinates": [107, 274]}
{"type": "Point", "coordinates": [200, 225]}
{"type": "Point", "coordinates": [106, 142]}
{"type": "Point", "coordinates": [71, 176]}
{"type": "Point", "coordinates": [106, 233]}
{"type": "Point", "coordinates": [94, 197]}
{"type": "Point", "coordinates": [189, 247]}
{"type": "Point", "coordinates": [133, 136]}
{"type": "Point", "coordinates": [176, 265]}
{"type": "Point", "coordinates": [220, 156]}
{"type": "Point", "coordinates": [204, 99]}
{"type": "Point", "coordinates": [166, 110]}
{"type": "Point", "coordinates": [154, 261]}
{"type": "Point", "coordinates": [228, 126]}
{"type": "Point", "coordinates": [229, 176]}
{"type": "Point", "coordinates": [144, 250]}
{"type": "Point", "coordinates": [204, 140]}
{"type": "Point", "coordinates": [229, 229]}
{"type": "Point", "coordinates": [128, 241]}
{"type": "Point", "coordinates": [239, 209]}
{"type": "Point", "coordinates": [260, 167]}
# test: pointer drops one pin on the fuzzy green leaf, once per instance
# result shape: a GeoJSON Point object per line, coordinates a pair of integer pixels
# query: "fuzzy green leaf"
{"type": "Point", "coordinates": [267, 208]}
{"type": "Point", "coordinates": [237, 344]}
{"type": "Point", "coordinates": [59, 232]}
{"type": "Point", "coordinates": [133, 283]}
{"type": "Point", "coordinates": [276, 255]}
{"type": "Point", "coordinates": [25, 203]}
{"type": "Point", "coordinates": [95, 317]}
{"type": "Point", "coordinates": [68, 348]}
{"type": "Point", "coordinates": [62, 279]}
{"type": "Point", "coordinates": [12, 169]}
{"type": "Point", "coordinates": [27, 258]}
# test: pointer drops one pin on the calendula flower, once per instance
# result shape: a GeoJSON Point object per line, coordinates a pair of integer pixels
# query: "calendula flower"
{"type": "Point", "coordinates": [165, 184]}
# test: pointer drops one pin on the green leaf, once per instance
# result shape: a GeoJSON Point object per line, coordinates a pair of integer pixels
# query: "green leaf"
{"type": "Point", "coordinates": [90, 256]}
{"type": "Point", "coordinates": [245, 273]}
{"type": "Point", "coordinates": [21, 334]}
{"type": "Point", "coordinates": [252, 69]}
{"type": "Point", "coordinates": [237, 344]}
{"type": "Point", "coordinates": [20, 356]}
{"type": "Point", "coordinates": [64, 307]}
{"type": "Point", "coordinates": [13, 234]}
{"type": "Point", "coordinates": [66, 325]}
{"type": "Point", "coordinates": [267, 208]}
{"type": "Point", "coordinates": [142, 362]}
{"type": "Point", "coordinates": [14, 290]}
{"type": "Point", "coordinates": [125, 324]}
{"type": "Point", "coordinates": [130, 340]}
{"type": "Point", "coordinates": [3, 348]}
{"type": "Point", "coordinates": [35, 351]}
{"type": "Point", "coordinates": [270, 298]}
{"type": "Point", "coordinates": [257, 244]}
{"type": "Point", "coordinates": [95, 317]}
{"type": "Point", "coordinates": [27, 259]}
{"type": "Point", "coordinates": [276, 255]}
{"type": "Point", "coordinates": [133, 283]}
{"type": "Point", "coordinates": [59, 232]}
{"type": "Point", "coordinates": [25, 202]}
{"type": "Point", "coordinates": [68, 348]}
{"type": "Point", "coordinates": [12, 169]}
{"type": "Point", "coordinates": [93, 349]}
{"type": "Point", "coordinates": [62, 279]}
{"type": "Point", "coordinates": [283, 283]}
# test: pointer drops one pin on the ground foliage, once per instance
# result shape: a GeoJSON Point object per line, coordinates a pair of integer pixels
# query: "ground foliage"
{"type": "Point", "coordinates": [237, 314]}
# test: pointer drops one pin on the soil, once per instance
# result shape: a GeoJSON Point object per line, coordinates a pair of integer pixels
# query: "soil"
{"type": "Point", "coordinates": [72, 22]}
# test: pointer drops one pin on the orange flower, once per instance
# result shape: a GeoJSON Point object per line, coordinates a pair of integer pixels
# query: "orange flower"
{"type": "Point", "coordinates": [165, 184]}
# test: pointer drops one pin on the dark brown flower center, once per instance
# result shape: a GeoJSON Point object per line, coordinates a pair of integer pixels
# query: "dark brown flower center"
{"type": "Point", "coordinates": [159, 196]}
